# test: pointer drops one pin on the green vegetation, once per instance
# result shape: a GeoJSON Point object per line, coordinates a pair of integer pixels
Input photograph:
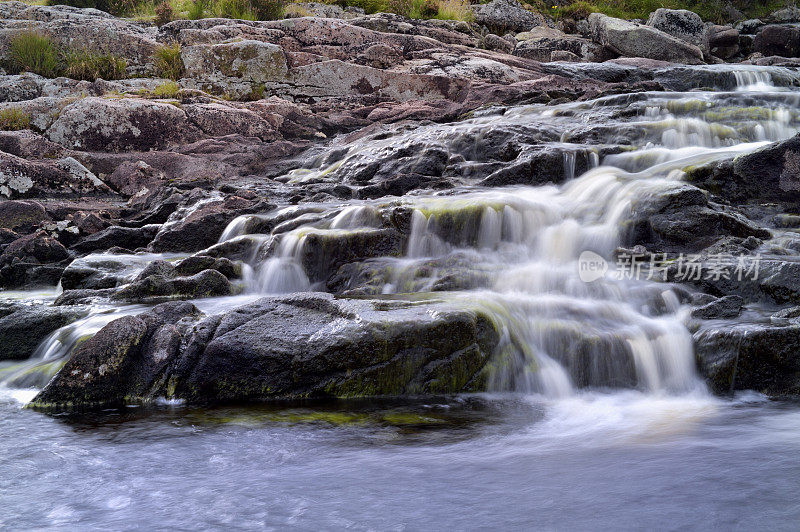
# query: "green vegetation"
{"type": "Point", "coordinates": [710, 10]}
{"type": "Point", "coordinates": [12, 119]}
{"type": "Point", "coordinates": [30, 51]}
{"type": "Point", "coordinates": [167, 90]}
{"type": "Point", "coordinates": [88, 65]}
{"type": "Point", "coordinates": [163, 11]}
{"type": "Point", "coordinates": [425, 9]}
{"type": "Point", "coordinates": [168, 62]}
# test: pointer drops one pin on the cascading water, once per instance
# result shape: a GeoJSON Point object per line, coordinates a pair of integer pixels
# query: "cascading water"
{"type": "Point", "coordinates": [524, 244]}
{"type": "Point", "coordinates": [515, 252]}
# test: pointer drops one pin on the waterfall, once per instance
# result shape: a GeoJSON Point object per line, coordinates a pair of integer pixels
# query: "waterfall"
{"type": "Point", "coordinates": [516, 253]}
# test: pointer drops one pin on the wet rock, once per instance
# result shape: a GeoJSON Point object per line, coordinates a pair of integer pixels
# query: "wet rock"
{"type": "Point", "coordinates": [756, 357]}
{"type": "Point", "coordinates": [196, 264]}
{"type": "Point", "coordinates": [681, 220]}
{"type": "Point", "coordinates": [724, 307]}
{"type": "Point", "coordinates": [124, 360]}
{"type": "Point", "coordinates": [778, 40]}
{"type": "Point", "coordinates": [771, 173]}
{"type": "Point", "coordinates": [756, 279]}
{"type": "Point", "coordinates": [685, 25]}
{"type": "Point", "coordinates": [158, 287]}
{"type": "Point", "coordinates": [24, 329]}
{"type": "Point", "coordinates": [323, 254]}
{"type": "Point", "coordinates": [101, 271]}
{"type": "Point", "coordinates": [22, 216]}
{"type": "Point", "coordinates": [501, 16]}
{"type": "Point", "coordinates": [306, 345]}
{"type": "Point", "coordinates": [540, 165]}
{"type": "Point", "coordinates": [202, 227]}
{"type": "Point", "coordinates": [280, 348]}
{"type": "Point", "coordinates": [787, 316]}
{"type": "Point", "coordinates": [637, 40]}
{"type": "Point", "coordinates": [120, 124]}
{"type": "Point", "coordinates": [124, 237]}
{"type": "Point", "coordinates": [83, 296]}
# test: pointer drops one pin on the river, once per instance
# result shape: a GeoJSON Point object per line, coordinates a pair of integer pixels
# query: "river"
{"type": "Point", "coordinates": [564, 441]}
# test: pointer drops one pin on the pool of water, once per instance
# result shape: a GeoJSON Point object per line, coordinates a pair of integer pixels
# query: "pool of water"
{"type": "Point", "coordinates": [621, 460]}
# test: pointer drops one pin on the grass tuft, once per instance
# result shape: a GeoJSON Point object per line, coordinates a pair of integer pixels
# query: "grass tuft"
{"type": "Point", "coordinates": [12, 119]}
{"type": "Point", "coordinates": [168, 62]}
{"type": "Point", "coordinates": [168, 90]}
{"type": "Point", "coordinates": [88, 65]}
{"type": "Point", "coordinates": [31, 51]}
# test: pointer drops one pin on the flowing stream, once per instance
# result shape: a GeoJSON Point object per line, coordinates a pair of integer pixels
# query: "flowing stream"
{"type": "Point", "coordinates": [596, 416]}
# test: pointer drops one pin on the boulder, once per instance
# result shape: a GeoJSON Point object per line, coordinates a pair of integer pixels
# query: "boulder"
{"type": "Point", "coordinates": [29, 145]}
{"type": "Point", "coordinates": [631, 39]}
{"type": "Point", "coordinates": [498, 44]}
{"type": "Point", "coordinates": [778, 40]}
{"type": "Point", "coordinates": [681, 220]}
{"type": "Point", "coordinates": [122, 361]}
{"type": "Point", "coordinates": [750, 26]}
{"type": "Point", "coordinates": [760, 357]}
{"type": "Point", "coordinates": [23, 178]}
{"type": "Point", "coordinates": [116, 236]}
{"type": "Point", "coordinates": [723, 41]}
{"type": "Point", "coordinates": [323, 253]}
{"type": "Point", "coordinates": [724, 307]}
{"type": "Point", "coordinates": [541, 42]}
{"type": "Point", "coordinates": [120, 124]}
{"type": "Point", "coordinates": [102, 270]}
{"type": "Point", "coordinates": [216, 120]}
{"type": "Point", "coordinates": [786, 15]}
{"type": "Point", "coordinates": [770, 174]}
{"type": "Point", "coordinates": [501, 16]}
{"type": "Point", "coordinates": [22, 216]}
{"type": "Point", "coordinates": [25, 328]}
{"type": "Point", "coordinates": [304, 345]}
{"type": "Point", "coordinates": [685, 25]}
{"type": "Point", "coordinates": [38, 247]}
{"type": "Point", "coordinates": [202, 227]}
{"type": "Point", "coordinates": [159, 287]}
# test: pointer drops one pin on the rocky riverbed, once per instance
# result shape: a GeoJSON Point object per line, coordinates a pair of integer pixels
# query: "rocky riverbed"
{"type": "Point", "coordinates": [364, 205]}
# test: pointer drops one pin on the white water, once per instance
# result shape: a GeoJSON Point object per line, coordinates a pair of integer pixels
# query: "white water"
{"type": "Point", "coordinates": [562, 333]}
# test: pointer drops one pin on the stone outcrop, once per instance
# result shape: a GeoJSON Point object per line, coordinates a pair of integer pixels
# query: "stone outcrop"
{"type": "Point", "coordinates": [685, 25]}
{"type": "Point", "coordinates": [630, 39]}
{"type": "Point", "coordinates": [507, 15]}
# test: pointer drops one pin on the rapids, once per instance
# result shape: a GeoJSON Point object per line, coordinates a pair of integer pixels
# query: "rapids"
{"type": "Point", "coordinates": [595, 406]}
